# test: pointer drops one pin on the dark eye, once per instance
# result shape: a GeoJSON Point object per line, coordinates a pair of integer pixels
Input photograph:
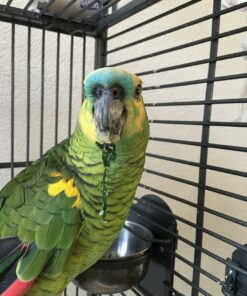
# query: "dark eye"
{"type": "Point", "coordinates": [138, 91]}
{"type": "Point", "coordinates": [117, 92]}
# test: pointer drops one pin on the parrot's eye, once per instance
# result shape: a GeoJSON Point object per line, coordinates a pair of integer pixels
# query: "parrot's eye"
{"type": "Point", "coordinates": [117, 92]}
{"type": "Point", "coordinates": [138, 91]}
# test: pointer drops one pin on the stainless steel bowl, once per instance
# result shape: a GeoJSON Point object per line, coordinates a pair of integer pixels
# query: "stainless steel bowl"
{"type": "Point", "coordinates": [123, 266]}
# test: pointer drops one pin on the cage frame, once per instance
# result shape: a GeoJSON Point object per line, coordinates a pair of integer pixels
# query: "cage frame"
{"type": "Point", "coordinates": [98, 31]}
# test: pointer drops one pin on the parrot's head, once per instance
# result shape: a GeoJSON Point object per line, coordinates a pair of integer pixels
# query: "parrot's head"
{"type": "Point", "coordinates": [113, 108]}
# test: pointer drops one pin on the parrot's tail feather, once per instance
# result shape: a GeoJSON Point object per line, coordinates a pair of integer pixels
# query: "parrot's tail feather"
{"type": "Point", "coordinates": [11, 250]}
{"type": "Point", "coordinates": [8, 278]}
{"type": "Point", "coordinates": [18, 288]}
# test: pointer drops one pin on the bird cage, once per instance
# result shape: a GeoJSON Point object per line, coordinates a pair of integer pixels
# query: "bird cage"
{"type": "Point", "coordinates": [191, 56]}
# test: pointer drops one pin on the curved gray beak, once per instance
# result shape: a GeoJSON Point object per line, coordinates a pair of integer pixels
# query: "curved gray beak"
{"type": "Point", "coordinates": [109, 113]}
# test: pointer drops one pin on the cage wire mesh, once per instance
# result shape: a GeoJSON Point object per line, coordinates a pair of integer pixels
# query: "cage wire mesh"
{"type": "Point", "coordinates": [189, 56]}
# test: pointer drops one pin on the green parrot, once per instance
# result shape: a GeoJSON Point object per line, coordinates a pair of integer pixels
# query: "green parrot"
{"type": "Point", "coordinates": [63, 212]}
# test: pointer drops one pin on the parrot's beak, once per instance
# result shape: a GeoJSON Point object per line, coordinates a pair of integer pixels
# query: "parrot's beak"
{"type": "Point", "coordinates": [109, 114]}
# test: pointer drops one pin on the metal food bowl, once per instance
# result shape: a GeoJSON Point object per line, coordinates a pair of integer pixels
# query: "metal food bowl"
{"type": "Point", "coordinates": [123, 266]}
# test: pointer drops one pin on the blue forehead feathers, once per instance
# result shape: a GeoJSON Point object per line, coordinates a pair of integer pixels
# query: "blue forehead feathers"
{"type": "Point", "coordinates": [108, 77]}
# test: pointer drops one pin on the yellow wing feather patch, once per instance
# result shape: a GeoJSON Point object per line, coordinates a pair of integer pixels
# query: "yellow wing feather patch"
{"type": "Point", "coordinates": [67, 186]}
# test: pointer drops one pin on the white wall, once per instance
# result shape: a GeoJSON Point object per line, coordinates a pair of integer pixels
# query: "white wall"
{"type": "Point", "coordinates": [222, 90]}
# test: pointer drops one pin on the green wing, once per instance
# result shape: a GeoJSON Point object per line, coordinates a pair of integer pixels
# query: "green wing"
{"type": "Point", "coordinates": [42, 207]}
